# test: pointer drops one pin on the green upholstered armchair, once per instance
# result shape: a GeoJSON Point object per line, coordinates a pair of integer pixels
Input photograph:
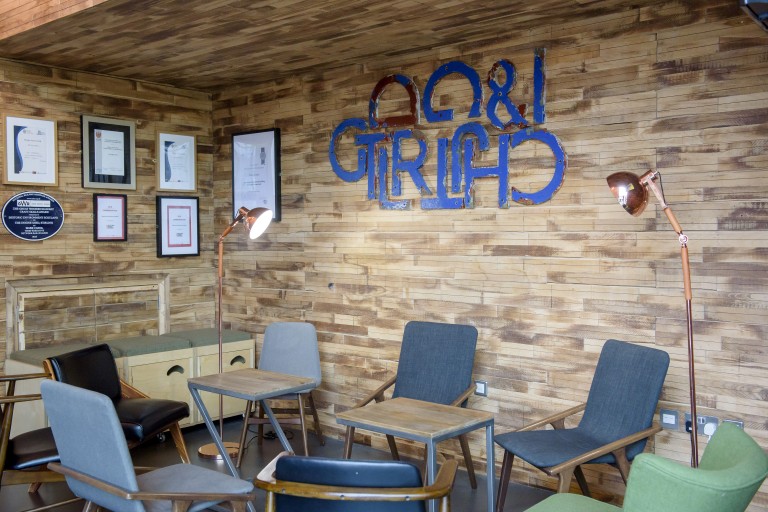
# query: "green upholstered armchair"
{"type": "Point", "coordinates": [731, 470]}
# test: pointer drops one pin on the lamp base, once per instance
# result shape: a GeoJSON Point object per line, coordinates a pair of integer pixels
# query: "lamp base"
{"type": "Point", "coordinates": [210, 451]}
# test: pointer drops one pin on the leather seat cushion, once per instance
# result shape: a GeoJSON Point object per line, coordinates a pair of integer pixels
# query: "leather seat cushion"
{"type": "Point", "coordinates": [31, 449]}
{"type": "Point", "coordinates": [144, 417]}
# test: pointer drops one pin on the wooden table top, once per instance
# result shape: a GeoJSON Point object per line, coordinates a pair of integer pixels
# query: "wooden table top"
{"type": "Point", "coordinates": [414, 419]}
{"type": "Point", "coordinates": [251, 384]}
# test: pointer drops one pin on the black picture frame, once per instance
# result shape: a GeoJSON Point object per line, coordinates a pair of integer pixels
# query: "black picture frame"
{"type": "Point", "coordinates": [256, 171]}
{"type": "Point", "coordinates": [109, 153]}
{"type": "Point", "coordinates": [110, 217]}
{"type": "Point", "coordinates": [178, 226]}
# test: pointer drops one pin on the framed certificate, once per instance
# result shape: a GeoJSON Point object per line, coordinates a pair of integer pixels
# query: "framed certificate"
{"type": "Point", "coordinates": [109, 153]}
{"type": "Point", "coordinates": [178, 222]}
{"type": "Point", "coordinates": [110, 218]}
{"type": "Point", "coordinates": [176, 162]}
{"type": "Point", "coordinates": [256, 171]}
{"type": "Point", "coordinates": [30, 152]}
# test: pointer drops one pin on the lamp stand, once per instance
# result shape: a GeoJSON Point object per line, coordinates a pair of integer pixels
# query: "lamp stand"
{"type": "Point", "coordinates": [210, 451]}
{"type": "Point", "coordinates": [648, 180]}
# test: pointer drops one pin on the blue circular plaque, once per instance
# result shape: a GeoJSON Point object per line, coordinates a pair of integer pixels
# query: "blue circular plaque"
{"type": "Point", "coordinates": [33, 216]}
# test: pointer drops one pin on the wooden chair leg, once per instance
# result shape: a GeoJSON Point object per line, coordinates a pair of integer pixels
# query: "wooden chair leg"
{"type": "Point", "coordinates": [393, 447]}
{"type": "Point", "coordinates": [318, 431]}
{"type": "Point", "coordinates": [622, 463]}
{"type": "Point", "coordinates": [34, 487]}
{"type": "Point", "coordinates": [468, 460]}
{"type": "Point", "coordinates": [349, 438]}
{"type": "Point", "coordinates": [579, 474]}
{"type": "Point", "coordinates": [302, 423]}
{"type": "Point", "coordinates": [243, 433]}
{"type": "Point", "coordinates": [269, 505]}
{"type": "Point", "coordinates": [504, 477]}
{"type": "Point", "coordinates": [178, 440]}
{"type": "Point", "coordinates": [564, 480]}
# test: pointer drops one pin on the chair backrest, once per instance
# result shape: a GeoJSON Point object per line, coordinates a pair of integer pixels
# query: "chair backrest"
{"type": "Point", "coordinates": [436, 361]}
{"type": "Point", "coordinates": [291, 347]}
{"type": "Point", "coordinates": [90, 440]}
{"type": "Point", "coordinates": [624, 393]}
{"type": "Point", "coordinates": [731, 471]}
{"type": "Point", "coordinates": [92, 368]}
{"type": "Point", "coordinates": [346, 473]}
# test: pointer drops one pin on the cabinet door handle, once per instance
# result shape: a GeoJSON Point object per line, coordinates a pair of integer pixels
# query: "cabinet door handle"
{"type": "Point", "coordinates": [237, 359]}
{"type": "Point", "coordinates": [174, 369]}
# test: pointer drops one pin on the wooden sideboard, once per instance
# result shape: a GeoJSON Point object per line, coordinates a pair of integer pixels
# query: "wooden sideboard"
{"type": "Point", "coordinates": [157, 365]}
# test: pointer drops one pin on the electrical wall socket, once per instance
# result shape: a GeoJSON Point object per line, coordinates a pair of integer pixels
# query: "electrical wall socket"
{"type": "Point", "coordinates": [706, 425]}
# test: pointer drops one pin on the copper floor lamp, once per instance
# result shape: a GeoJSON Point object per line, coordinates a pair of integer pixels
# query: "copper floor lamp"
{"type": "Point", "coordinates": [255, 222]}
{"type": "Point", "coordinates": [632, 193]}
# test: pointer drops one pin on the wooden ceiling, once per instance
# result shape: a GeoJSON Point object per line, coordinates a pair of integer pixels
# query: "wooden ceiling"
{"type": "Point", "coordinates": [213, 44]}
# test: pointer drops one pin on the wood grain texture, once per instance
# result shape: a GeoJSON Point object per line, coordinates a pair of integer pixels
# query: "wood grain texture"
{"type": "Point", "coordinates": [675, 86]}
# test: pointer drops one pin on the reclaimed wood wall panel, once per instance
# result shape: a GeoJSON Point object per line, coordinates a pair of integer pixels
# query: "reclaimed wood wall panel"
{"type": "Point", "coordinates": [63, 95]}
{"type": "Point", "coordinates": [674, 86]}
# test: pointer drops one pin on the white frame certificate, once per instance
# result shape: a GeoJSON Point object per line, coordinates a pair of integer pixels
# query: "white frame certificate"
{"type": "Point", "coordinates": [178, 226]}
{"type": "Point", "coordinates": [256, 171]}
{"type": "Point", "coordinates": [110, 219]}
{"type": "Point", "coordinates": [176, 162]}
{"type": "Point", "coordinates": [30, 152]}
{"type": "Point", "coordinates": [109, 153]}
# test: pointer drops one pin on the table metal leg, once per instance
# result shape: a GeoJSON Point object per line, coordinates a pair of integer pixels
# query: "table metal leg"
{"type": "Point", "coordinates": [276, 425]}
{"type": "Point", "coordinates": [431, 471]}
{"type": "Point", "coordinates": [490, 470]}
{"type": "Point", "coordinates": [217, 439]}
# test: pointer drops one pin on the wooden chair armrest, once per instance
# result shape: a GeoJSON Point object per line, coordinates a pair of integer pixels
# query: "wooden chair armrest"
{"type": "Point", "coordinates": [608, 448]}
{"type": "Point", "coordinates": [464, 396]}
{"type": "Point", "coordinates": [378, 394]}
{"type": "Point", "coordinates": [23, 376]}
{"type": "Point", "coordinates": [14, 399]}
{"type": "Point", "coordinates": [268, 473]}
{"type": "Point", "coordinates": [554, 419]}
{"type": "Point", "coordinates": [128, 391]}
{"type": "Point", "coordinates": [142, 495]}
{"type": "Point", "coordinates": [442, 486]}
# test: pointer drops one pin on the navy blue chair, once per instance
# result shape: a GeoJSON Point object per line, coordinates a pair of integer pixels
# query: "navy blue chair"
{"type": "Point", "coordinates": [315, 484]}
{"type": "Point", "coordinates": [436, 361]}
{"type": "Point", "coordinates": [617, 421]}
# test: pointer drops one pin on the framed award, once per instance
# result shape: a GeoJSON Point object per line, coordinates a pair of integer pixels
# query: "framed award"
{"type": "Point", "coordinates": [176, 162]}
{"type": "Point", "coordinates": [109, 153]}
{"type": "Point", "coordinates": [256, 171]}
{"type": "Point", "coordinates": [30, 152]}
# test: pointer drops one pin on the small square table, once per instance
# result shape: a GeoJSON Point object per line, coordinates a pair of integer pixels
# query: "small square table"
{"type": "Point", "coordinates": [428, 423]}
{"type": "Point", "coordinates": [248, 384]}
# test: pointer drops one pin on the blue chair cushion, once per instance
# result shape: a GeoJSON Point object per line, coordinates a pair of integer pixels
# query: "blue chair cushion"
{"type": "Point", "coordinates": [346, 473]}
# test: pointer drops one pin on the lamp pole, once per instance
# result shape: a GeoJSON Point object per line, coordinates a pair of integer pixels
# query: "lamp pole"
{"type": "Point", "coordinates": [632, 194]}
{"type": "Point", "coordinates": [256, 222]}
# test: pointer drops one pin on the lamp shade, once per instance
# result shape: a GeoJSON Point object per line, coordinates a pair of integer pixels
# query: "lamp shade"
{"type": "Point", "coordinates": [631, 193]}
{"type": "Point", "coordinates": [256, 221]}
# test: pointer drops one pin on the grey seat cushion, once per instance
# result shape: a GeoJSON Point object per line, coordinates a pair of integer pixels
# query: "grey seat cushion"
{"type": "Point", "coordinates": [188, 478]}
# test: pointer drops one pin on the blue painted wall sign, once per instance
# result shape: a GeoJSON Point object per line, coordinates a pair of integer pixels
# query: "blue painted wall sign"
{"type": "Point", "coordinates": [379, 146]}
{"type": "Point", "coordinates": [33, 216]}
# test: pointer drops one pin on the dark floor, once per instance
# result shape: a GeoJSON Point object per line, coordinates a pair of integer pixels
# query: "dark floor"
{"type": "Point", "coordinates": [15, 498]}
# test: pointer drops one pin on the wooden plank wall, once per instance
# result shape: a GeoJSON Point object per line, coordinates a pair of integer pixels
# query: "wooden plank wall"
{"type": "Point", "coordinates": [674, 86]}
{"type": "Point", "coordinates": [27, 90]}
